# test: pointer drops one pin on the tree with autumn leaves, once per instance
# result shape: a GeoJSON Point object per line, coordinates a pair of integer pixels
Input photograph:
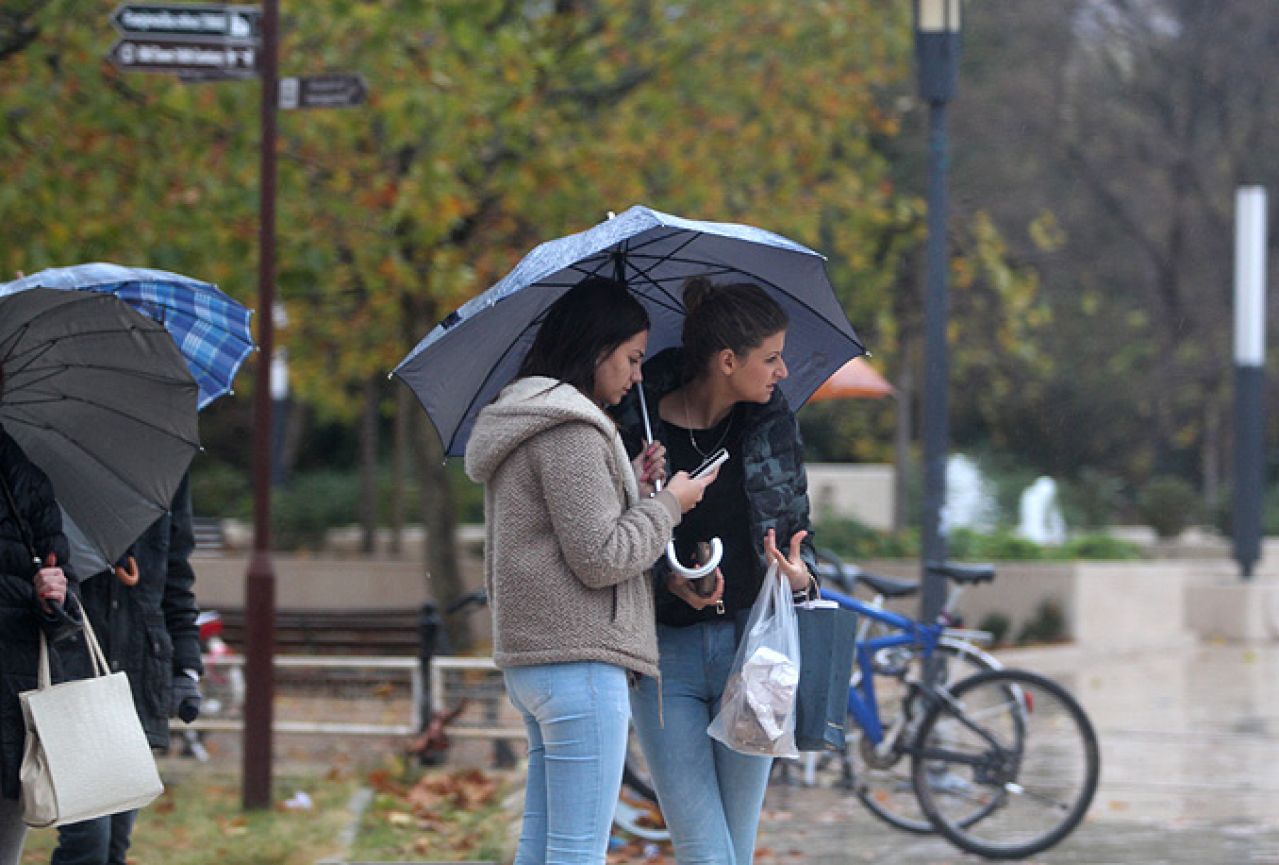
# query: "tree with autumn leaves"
{"type": "Point", "coordinates": [491, 125]}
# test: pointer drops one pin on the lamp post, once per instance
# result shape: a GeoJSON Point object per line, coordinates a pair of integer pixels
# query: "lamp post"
{"type": "Point", "coordinates": [937, 49]}
{"type": "Point", "coordinates": [1250, 362]}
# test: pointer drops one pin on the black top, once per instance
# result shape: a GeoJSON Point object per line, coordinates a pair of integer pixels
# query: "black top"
{"type": "Point", "coordinates": [723, 512]}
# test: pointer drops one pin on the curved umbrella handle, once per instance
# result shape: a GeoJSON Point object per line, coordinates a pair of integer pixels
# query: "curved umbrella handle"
{"type": "Point", "coordinates": [717, 553]}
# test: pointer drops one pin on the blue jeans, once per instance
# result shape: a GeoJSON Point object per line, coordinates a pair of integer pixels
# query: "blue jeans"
{"type": "Point", "coordinates": [576, 715]}
{"type": "Point", "coordinates": [103, 841]}
{"type": "Point", "coordinates": [710, 795]}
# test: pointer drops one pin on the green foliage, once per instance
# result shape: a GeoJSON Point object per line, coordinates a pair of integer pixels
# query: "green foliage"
{"type": "Point", "coordinates": [309, 504]}
{"type": "Point", "coordinates": [1093, 499]}
{"type": "Point", "coordinates": [997, 624]}
{"type": "Point", "coordinates": [968, 545]}
{"type": "Point", "coordinates": [854, 541]}
{"type": "Point", "coordinates": [1099, 547]}
{"type": "Point", "coordinates": [220, 490]}
{"type": "Point", "coordinates": [1168, 505]}
{"type": "Point", "coordinates": [1048, 625]}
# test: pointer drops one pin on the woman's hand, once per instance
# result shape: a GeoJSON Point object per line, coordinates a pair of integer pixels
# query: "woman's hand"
{"type": "Point", "coordinates": [50, 583]}
{"type": "Point", "coordinates": [687, 491]}
{"type": "Point", "coordinates": [790, 566]}
{"type": "Point", "coordinates": [650, 467]}
{"type": "Point", "coordinates": [682, 588]}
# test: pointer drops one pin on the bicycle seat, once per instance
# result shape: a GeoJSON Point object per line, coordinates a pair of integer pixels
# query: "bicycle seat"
{"type": "Point", "coordinates": [971, 574]}
{"type": "Point", "coordinates": [888, 587]}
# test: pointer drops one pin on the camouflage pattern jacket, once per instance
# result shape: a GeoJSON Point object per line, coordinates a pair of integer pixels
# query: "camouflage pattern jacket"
{"type": "Point", "coordinates": [772, 452]}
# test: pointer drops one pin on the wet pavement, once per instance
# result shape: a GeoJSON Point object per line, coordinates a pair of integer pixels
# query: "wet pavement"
{"type": "Point", "coordinates": [1189, 740]}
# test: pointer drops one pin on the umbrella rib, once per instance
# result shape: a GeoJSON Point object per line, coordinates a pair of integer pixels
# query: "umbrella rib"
{"type": "Point", "coordinates": [54, 369]}
{"type": "Point", "coordinates": [778, 289]}
{"type": "Point", "coordinates": [106, 466]}
{"type": "Point", "coordinates": [12, 404]}
{"type": "Point", "coordinates": [489, 375]}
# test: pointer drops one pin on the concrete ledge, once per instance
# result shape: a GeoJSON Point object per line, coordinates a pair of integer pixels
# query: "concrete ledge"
{"type": "Point", "coordinates": [1227, 608]}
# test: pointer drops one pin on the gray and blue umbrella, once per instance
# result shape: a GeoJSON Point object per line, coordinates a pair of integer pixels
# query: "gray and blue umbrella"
{"type": "Point", "coordinates": [463, 362]}
{"type": "Point", "coordinates": [98, 396]}
{"type": "Point", "coordinates": [211, 329]}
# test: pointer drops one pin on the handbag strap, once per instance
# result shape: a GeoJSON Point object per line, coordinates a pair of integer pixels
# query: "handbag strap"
{"type": "Point", "coordinates": [97, 657]}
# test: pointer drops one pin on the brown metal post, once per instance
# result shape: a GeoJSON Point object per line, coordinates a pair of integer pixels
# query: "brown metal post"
{"type": "Point", "coordinates": [259, 595]}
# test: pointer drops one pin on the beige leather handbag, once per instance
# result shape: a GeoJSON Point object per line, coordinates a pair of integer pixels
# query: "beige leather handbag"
{"type": "Point", "coordinates": [86, 754]}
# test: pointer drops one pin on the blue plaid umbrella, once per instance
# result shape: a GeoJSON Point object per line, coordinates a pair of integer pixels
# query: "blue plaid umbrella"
{"type": "Point", "coordinates": [460, 365]}
{"type": "Point", "coordinates": [210, 329]}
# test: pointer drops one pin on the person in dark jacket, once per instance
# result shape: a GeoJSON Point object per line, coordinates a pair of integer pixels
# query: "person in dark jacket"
{"type": "Point", "coordinates": [30, 530]}
{"type": "Point", "coordinates": [144, 613]}
{"type": "Point", "coordinates": [720, 390]}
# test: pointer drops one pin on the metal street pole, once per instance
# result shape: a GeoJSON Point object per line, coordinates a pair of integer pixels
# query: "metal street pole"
{"type": "Point", "coordinates": [259, 596]}
{"type": "Point", "coordinates": [937, 49]}
{"type": "Point", "coordinates": [1250, 361]}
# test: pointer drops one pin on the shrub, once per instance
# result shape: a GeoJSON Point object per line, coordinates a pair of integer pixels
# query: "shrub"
{"type": "Point", "coordinates": [1101, 547]}
{"type": "Point", "coordinates": [220, 490]}
{"type": "Point", "coordinates": [1168, 505]}
{"type": "Point", "coordinates": [1000, 545]}
{"type": "Point", "coordinates": [1092, 500]}
{"type": "Point", "coordinates": [997, 624]}
{"type": "Point", "coordinates": [1048, 625]}
{"type": "Point", "coordinates": [303, 509]}
{"type": "Point", "coordinates": [853, 540]}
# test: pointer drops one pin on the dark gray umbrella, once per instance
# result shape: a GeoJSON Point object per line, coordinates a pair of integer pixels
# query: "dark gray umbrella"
{"type": "Point", "coordinates": [100, 398]}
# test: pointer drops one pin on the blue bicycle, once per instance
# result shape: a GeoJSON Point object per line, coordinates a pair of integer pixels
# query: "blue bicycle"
{"type": "Point", "coordinates": [1003, 763]}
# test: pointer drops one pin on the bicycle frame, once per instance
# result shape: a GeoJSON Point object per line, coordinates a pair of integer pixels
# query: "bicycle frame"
{"type": "Point", "coordinates": [861, 697]}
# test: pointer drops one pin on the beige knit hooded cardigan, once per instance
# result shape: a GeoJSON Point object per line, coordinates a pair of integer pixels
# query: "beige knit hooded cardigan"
{"type": "Point", "coordinates": [567, 537]}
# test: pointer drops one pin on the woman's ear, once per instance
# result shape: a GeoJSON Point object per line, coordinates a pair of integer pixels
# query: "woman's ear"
{"type": "Point", "coordinates": [726, 361]}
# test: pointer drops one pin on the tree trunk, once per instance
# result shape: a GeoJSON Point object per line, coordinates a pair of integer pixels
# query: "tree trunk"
{"type": "Point", "coordinates": [400, 466]}
{"type": "Point", "coordinates": [368, 466]}
{"type": "Point", "coordinates": [1211, 454]}
{"type": "Point", "coordinates": [905, 397]}
{"type": "Point", "coordinates": [443, 575]}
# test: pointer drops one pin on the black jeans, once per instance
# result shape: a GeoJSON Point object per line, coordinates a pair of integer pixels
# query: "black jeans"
{"type": "Point", "coordinates": [103, 841]}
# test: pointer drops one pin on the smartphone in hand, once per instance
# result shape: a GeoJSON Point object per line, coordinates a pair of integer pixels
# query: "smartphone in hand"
{"type": "Point", "coordinates": [712, 462]}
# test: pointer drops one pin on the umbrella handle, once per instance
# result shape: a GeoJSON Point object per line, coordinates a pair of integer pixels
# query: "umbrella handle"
{"type": "Point", "coordinates": [717, 553]}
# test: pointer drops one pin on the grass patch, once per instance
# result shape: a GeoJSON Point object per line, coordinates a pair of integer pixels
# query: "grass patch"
{"type": "Point", "coordinates": [435, 814]}
{"type": "Point", "coordinates": [198, 821]}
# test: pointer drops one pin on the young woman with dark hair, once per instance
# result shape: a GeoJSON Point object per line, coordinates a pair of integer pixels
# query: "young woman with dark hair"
{"type": "Point", "coordinates": [571, 527]}
{"type": "Point", "coordinates": [719, 390]}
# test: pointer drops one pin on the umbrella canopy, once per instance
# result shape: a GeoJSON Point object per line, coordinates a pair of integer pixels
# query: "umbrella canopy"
{"type": "Point", "coordinates": [210, 328]}
{"type": "Point", "coordinates": [856, 379]}
{"type": "Point", "coordinates": [461, 364]}
{"type": "Point", "coordinates": [98, 396]}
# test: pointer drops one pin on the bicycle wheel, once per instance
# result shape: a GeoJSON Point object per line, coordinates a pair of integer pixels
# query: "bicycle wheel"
{"type": "Point", "coordinates": [881, 778]}
{"type": "Point", "coordinates": [635, 774]}
{"type": "Point", "coordinates": [1020, 763]}
{"type": "Point", "coordinates": [637, 810]}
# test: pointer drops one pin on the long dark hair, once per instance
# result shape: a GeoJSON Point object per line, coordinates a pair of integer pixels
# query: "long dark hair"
{"type": "Point", "coordinates": [737, 316]}
{"type": "Point", "coordinates": [587, 322]}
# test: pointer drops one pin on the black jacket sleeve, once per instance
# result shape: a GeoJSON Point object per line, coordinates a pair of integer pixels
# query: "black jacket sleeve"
{"type": "Point", "coordinates": [179, 604]}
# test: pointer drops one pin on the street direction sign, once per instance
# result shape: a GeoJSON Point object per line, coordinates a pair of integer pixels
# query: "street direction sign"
{"type": "Point", "coordinates": [142, 54]}
{"type": "Point", "coordinates": [336, 90]}
{"type": "Point", "coordinates": [232, 23]}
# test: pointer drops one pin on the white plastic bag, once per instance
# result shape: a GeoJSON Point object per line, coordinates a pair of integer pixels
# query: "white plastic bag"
{"type": "Point", "coordinates": [757, 710]}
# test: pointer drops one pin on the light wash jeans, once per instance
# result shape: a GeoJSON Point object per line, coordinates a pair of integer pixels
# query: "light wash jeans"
{"type": "Point", "coordinates": [576, 715]}
{"type": "Point", "coordinates": [710, 795]}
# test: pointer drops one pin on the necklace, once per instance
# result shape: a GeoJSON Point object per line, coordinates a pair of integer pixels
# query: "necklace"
{"type": "Point", "coordinates": [691, 440]}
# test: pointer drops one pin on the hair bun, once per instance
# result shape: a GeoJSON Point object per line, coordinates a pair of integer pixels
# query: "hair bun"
{"type": "Point", "coordinates": [696, 290]}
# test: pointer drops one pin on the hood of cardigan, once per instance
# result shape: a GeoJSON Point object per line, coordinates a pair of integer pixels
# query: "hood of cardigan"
{"type": "Point", "coordinates": [523, 409]}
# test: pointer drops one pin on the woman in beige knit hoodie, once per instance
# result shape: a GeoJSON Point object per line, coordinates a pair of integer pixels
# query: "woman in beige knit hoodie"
{"type": "Point", "coordinates": [571, 527]}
